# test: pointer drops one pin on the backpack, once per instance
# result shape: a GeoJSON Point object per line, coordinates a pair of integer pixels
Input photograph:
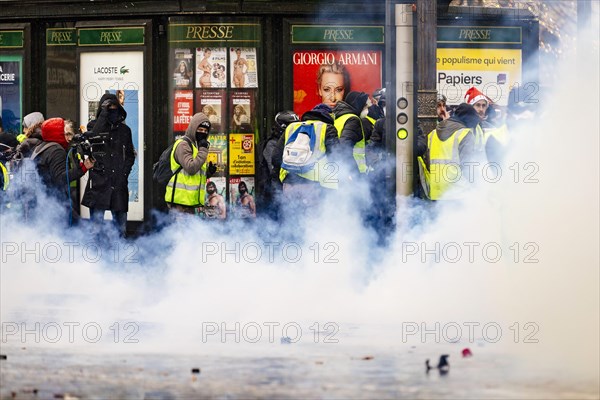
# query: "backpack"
{"type": "Point", "coordinates": [299, 152]}
{"type": "Point", "coordinates": [161, 170]}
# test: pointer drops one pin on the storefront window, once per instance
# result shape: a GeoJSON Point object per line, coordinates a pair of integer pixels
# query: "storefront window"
{"type": "Point", "coordinates": [214, 70]}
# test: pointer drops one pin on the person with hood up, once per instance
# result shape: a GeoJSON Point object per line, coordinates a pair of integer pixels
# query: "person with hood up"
{"type": "Point", "coordinates": [449, 147]}
{"type": "Point", "coordinates": [107, 187]}
{"type": "Point", "coordinates": [350, 130]}
{"type": "Point", "coordinates": [305, 187]}
{"type": "Point", "coordinates": [186, 189]}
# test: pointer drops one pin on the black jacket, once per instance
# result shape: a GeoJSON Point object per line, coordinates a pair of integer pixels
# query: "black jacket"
{"type": "Point", "coordinates": [351, 133]}
{"type": "Point", "coordinates": [52, 167]}
{"type": "Point", "coordinates": [107, 186]}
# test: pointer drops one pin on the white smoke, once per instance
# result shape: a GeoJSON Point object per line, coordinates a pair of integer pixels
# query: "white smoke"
{"type": "Point", "coordinates": [329, 268]}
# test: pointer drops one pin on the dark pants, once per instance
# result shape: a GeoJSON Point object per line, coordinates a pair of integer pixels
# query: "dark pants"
{"type": "Point", "coordinates": [119, 219]}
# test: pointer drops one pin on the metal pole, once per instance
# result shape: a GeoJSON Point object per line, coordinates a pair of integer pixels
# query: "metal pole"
{"type": "Point", "coordinates": [426, 64]}
{"type": "Point", "coordinates": [403, 105]}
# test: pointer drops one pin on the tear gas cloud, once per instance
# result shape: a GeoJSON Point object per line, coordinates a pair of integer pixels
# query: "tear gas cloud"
{"type": "Point", "coordinates": [522, 249]}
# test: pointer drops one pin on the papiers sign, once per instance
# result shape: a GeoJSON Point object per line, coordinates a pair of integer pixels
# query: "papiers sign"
{"type": "Point", "coordinates": [492, 71]}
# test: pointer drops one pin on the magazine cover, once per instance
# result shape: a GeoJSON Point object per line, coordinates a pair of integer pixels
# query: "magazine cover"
{"type": "Point", "coordinates": [212, 104]}
{"type": "Point", "coordinates": [241, 197]}
{"type": "Point", "coordinates": [183, 71]}
{"type": "Point", "coordinates": [244, 72]}
{"type": "Point", "coordinates": [241, 109]}
{"type": "Point", "coordinates": [217, 153]}
{"type": "Point", "coordinates": [182, 109]}
{"type": "Point", "coordinates": [215, 203]}
{"type": "Point", "coordinates": [241, 150]}
{"type": "Point", "coordinates": [211, 67]}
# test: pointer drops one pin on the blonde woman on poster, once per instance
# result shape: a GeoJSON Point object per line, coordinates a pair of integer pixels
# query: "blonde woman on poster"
{"type": "Point", "coordinates": [333, 82]}
{"type": "Point", "coordinates": [211, 113]}
{"type": "Point", "coordinates": [206, 68]}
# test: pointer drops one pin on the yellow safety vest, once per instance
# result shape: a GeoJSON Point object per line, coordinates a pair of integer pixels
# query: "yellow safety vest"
{"type": "Point", "coordinates": [5, 176]}
{"type": "Point", "coordinates": [190, 190]}
{"type": "Point", "coordinates": [444, 164]}
{"type": "Point", "coordinates": [500, 134]}
{"type": "Point", "coordinates": [359, 148]}
{"type": "Point", "coordinates": [323, 172]}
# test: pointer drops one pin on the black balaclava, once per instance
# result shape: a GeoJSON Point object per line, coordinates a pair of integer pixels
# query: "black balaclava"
{"type": "Point", "coordinates": [201, 136]}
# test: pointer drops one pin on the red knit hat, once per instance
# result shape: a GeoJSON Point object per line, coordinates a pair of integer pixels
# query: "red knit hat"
{"type": "Point", "coordinates": [53, 130]}
{"type": "Point", "coordinates": [473, 96]}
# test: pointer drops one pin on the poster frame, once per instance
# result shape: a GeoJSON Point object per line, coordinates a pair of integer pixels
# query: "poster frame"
{"type": "Point", "coordinates": [146, 144]}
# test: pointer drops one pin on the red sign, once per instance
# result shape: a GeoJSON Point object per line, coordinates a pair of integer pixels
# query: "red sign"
{"type": "Point", "coordinates": [182, 109]}
{"type": "Point", "coordinates": [363, 70]}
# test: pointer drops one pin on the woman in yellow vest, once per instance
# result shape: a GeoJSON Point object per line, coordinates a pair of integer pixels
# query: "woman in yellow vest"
{"type": "Point", "coordinates": [186, 189]}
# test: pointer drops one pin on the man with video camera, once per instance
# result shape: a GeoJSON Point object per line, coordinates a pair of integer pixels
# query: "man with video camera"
{"type": "Point", "coordinates": [107, 187]}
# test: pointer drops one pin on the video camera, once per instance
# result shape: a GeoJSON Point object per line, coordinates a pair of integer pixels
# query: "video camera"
{"type": "Point", "coordinates": [7, 153]}
{"type": "Point", "coordinates": [91, 144]}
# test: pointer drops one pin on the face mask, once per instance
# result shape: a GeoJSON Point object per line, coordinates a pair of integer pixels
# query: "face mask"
{"type": "Point", "coordinates": [113, 116]}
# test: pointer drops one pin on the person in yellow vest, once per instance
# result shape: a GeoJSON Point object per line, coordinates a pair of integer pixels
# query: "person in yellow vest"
{"type": "Point", "coordinates": [303, 183]}
{"type": "Point", "coordinates": [8, 143]}
{"type": "Point", "coordinates": [350, 130]}
{"type": "Point", "coordinates": [186, 189]}
{"type": "Point", "coordinates": [449, 147]}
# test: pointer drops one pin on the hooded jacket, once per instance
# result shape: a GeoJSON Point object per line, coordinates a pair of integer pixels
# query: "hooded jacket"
{"type": "Point", "coordinates": [107, 187]}
{"type": "Point", "coordinates": [352, 132]}
{"type": "Point", "coordinates": [464, 116]}
{"type": "Point", "coordinates": [184, 152]}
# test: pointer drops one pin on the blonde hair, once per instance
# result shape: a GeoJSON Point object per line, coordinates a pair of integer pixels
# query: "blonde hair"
{"type": "Point", "coordinates": [241, 108]}
{"type": "Point", "coordinates": [208, 110]}
{"type": "Point", "coordinates": [31, 129]}
{"type": "Point", "coordinates": [335, 68]}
